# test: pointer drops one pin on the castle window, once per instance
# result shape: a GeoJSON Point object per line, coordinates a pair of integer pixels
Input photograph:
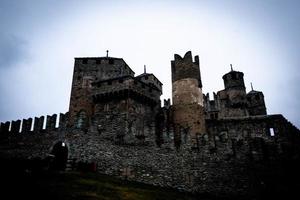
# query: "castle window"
{"type": "Point", "coordinates": [87, 82]}
{"type": "Point", "coordinates": [98, 61]}
{"type": "Point", "coordinates": [216, 116]}
{"type": "Point", "coordinates": [109, 83]}
{"type": "Point", "coordinates": [146, 77]}
{"type": "Point", "coordinates": [121, 81]}
{"type": "Point", "coordinates": [223, 136]}
{"type": "Point", "coordinates": [84, 61]}
{"type": "Point", "coordinates": [272, 133]}
{"type": "Point", "coordinates": [81, 119]}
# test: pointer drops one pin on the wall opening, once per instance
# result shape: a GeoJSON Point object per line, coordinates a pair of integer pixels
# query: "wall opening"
{"type": "Point", "coordinates": [60, 156]}
{"type": "Point", "coordinates": [81, 119]}
{"type": "Point", "coordinates": [57, 121]}
{"type": "Point", "coordinates": [272, 133]}
{"type": "Point", "coordinates": [32, 125]}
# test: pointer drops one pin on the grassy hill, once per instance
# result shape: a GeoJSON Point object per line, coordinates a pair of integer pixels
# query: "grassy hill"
{"type": "Point", "coordinates": [83, 186]}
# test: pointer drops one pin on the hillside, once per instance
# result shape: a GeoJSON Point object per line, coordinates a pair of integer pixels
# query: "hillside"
{"type": "Point", "coordinates": [76, 185]}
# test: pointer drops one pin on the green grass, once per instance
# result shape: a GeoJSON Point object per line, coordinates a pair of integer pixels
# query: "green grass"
{"type": "Point", "coordinates": [85, 186]}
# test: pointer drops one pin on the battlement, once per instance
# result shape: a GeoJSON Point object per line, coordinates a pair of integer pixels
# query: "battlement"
{"type": "Point", "coordinates": [185, 67]}
{"type": "Point", "coordinates": [186, 58]}
{"type": "Point", "coordinates": [116, 121]}
{"type": "Point", "coordinates": [150, 79]}
{"type": "Point", "coordinates": [118, 88]}
{"type": "Point", "coordinates": [211, 105]}
{"type": "Point", "coordinates": [101, 68]}
{"type": "Point", "coordinates": [234, 80]}
{"type": "Point", "coordinates": [36, 125]}
{"type": "Point", "coordinates": [167, 103]}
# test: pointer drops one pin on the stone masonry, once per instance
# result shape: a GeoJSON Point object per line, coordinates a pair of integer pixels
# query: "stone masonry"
{"type": "Point", "coordinates": [116, 120]}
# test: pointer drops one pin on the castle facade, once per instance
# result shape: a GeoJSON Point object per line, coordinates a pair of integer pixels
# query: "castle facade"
{"type": "Point", "coordinates": [116, 121]}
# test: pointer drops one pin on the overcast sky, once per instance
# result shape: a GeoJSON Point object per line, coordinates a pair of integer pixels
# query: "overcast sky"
{"type": "Point", "coordinates": [40, 38]}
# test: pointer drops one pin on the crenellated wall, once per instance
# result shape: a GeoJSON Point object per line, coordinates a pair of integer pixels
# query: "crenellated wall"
{"type": "Point", "coordinates": [196, 144]}
{"type": "Point", "coordinates": [34, 126]}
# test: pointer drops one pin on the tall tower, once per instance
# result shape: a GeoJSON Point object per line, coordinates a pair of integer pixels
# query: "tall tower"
{"type": "Point", "coordinates": [86, 72]}
{"type": "Point", "coordinates": [233, 97]}
{"type": "Point", "coordinates": [188, 110]}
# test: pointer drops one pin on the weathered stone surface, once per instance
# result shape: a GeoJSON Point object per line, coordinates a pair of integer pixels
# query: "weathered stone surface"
{"type": "Point", "coordinates": [15, 126]}
{"type": "Point", "coordinates": [115, 120]}
{"type": "Point", "coordinates": [26, 125]}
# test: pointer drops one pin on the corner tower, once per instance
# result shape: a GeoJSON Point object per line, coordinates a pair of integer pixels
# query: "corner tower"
{"type": "Point", "coordinates": [188, 110]}
{"type": "Point", "coordinates": [87, 71]}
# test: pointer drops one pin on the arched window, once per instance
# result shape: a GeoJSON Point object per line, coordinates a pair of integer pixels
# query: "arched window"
{"type": "Point", "coordinates": [81, 119]}
{"type": "Point", "coordinates": [60, 156]}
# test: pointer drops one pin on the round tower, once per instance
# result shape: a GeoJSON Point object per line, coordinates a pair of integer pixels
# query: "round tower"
{"type": "Point", "coordinates": [188, 110]}
{"type": "Point", "coordinates": [234, 80]}
{"type": "Point", "coordinates": [235, 89]}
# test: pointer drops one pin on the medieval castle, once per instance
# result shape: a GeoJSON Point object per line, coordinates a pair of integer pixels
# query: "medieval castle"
{"type": "Point", "coordinates": [198, 144]}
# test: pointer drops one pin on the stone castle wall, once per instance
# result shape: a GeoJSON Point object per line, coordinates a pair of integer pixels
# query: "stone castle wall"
{"type": "Point", "coordinates": [116, 121]}
{"type": "Point", "coordinates": [219, 163]}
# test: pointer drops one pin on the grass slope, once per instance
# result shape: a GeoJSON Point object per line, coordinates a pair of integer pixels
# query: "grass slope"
{"type": "Point", "coordinates": [83, 186]}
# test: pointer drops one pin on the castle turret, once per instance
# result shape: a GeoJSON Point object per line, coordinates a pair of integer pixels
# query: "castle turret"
{"type": "Point", "coordinates": [188, 111]}
{"type": "Point", "coordinates": [256, 102]}
{"type": "Point", "coordinates": [234, 80]}
{"type": "Point", "coordinates": [233, 98]}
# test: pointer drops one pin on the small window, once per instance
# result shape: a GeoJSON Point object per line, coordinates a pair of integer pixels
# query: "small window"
{"type": "Point", "coordinates": [81, 119]}
{"type": "Point", "coordinates": [272, 133]}
{"type": "Point", "coordinates": [109, 83]}
{"type": "Point", "coordinates": [84, 61]}
{"type": "Point", "coordinates": [121, 81]}
{"type": "Point", "coordinates": [146, 77]}
{"type": "Point", "coordinates": [216, 115]}
{"type": "Point", "coordinates": [98, 61]}
{"type": "Point", "coordinates": [87, 82]}
{"type": "Point", "coordinates": [223, 136]}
